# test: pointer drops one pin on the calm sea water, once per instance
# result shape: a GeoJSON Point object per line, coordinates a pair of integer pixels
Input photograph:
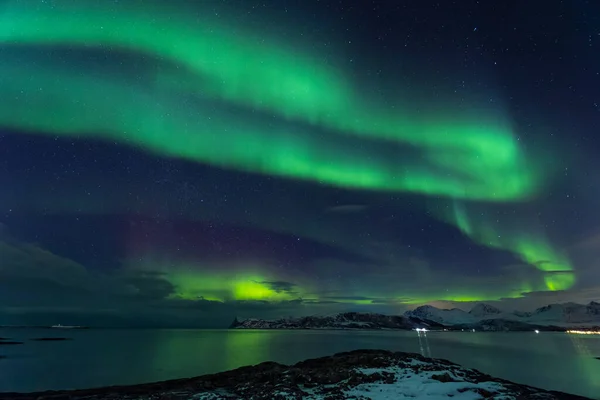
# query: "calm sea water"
{"type": "Point", "coordinates": [95, 358]}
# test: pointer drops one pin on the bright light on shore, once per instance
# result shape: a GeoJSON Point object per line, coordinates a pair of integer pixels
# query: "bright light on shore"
{"type": "Point", "coordinates": [536, 331]}
{"type": "Point", "coordinates": [584, 332]}
{"type": "Point", "coordinates": [420, 329]}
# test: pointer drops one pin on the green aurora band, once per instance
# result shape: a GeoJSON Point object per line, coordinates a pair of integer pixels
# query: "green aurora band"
{"type": "Point", "coordinates": [224, 287]}
{"type": "Point", "coordinates": [470, 157]}
{"type": "Point", "coordinates": [254, 282]}
{"type": "Point", "coordinates": [533, 249]}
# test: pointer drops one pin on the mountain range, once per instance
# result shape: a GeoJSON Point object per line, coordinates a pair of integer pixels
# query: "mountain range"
{"type": "Point", "coordinates": [349, 320]}
{"type": "Point", "coordinates": [482, 317]}
{"type": "Point", "coordinates": [565, 314]}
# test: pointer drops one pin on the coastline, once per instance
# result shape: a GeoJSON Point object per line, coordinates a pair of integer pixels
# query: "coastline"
{"type": "Point", "coordinates": [362, 374]}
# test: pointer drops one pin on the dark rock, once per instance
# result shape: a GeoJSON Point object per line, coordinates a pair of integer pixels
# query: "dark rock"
{"type": "Point", "coordinates": [486, 394]}
{"type": "Point", "coordinates": [445, 377]}
{"type": "Point", "coordinates": [326, 377]}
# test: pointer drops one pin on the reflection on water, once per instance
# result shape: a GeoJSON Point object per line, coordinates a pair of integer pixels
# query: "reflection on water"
{"type": "Point", "coordinates": [246, 348]}
{"type": "Point", "coordinates": [107, 357]}
{"type": "Point", "coordinates": [424, 343]}
{"type": "Point", "coordinates": [587, 360]}
{"type": "Point", "coordinates": [193, 352]}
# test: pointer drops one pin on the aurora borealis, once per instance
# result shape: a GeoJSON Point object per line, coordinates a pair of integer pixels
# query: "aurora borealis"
{"type": "Point", "coordinates": [244, 72]}
{"type": "Point", "coordinates": [178, 157]}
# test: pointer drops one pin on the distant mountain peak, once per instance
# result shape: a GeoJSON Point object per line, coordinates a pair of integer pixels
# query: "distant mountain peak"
{"type": "Point", "coordinates": [569, 314]}
{"type": "Point", "coordinates": [425, 307]}
{"type": "Point", "coordinates": [441, 316]}
{"type": "Point", "coordinates": [235, 323]}
{"type": "Point", "coordinates": [482, 309]}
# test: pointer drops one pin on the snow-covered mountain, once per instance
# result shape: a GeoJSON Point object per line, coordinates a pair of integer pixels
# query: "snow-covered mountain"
{"type": "Point", "coordinates": [482, 311]}
{"type": "Point", "coordinates": [481, 317]}
{"type": "Point", "coordinates": [349, 320]}
{"type": "Point", "coordinates": [566, 314]}
{"type": "Point", "coordinates": [506, 325]}
{"type": "Point", "coordinates": [441, 316]}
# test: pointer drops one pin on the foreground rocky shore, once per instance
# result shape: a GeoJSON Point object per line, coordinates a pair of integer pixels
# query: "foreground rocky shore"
{"type": "Point", "coordinates": [361, 374]}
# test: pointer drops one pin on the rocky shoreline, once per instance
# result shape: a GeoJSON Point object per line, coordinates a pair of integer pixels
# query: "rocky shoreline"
{"type": "Point", "coordinates": [360, 374]}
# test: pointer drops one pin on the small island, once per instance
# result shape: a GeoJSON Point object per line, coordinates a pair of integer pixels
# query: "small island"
{"type": "Point", "coordinates": [360, 374]}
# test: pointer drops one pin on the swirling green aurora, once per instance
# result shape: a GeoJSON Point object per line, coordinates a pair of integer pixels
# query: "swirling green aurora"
{"type": "Point", "coordinates": [316, 125]}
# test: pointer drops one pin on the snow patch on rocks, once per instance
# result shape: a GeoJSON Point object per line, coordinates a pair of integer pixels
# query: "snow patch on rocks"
{"type": "Point", "coordinates": [359, 375]}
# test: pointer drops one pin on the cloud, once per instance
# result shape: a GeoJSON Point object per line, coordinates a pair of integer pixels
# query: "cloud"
{"type": "Point", "coordinates": [348, 298]}
{"type": "Point", "coordinates": [30, 275]}
{"type": "Point", "coordinates": [149, 284]}
{"type": "Point", "coordinates": [39, 287]}
{"type": "Point", "coordinates": [35, 282]}
{"type": "Point", "coordinates": [362, 300]}
{"type": "Point", "coordinates": [581, 295]}
{"type": "Point", "coordinates": [529, 301]}
{"type": "Point", "coordinates": [280, 286]}
{"type": "Point", "coordinates": [585, 254]}
{"type": "Point", "coordinates": [589, 242]}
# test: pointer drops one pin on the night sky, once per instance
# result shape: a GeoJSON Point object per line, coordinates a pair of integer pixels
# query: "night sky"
{"type": "Point", "coordinates": [180, 163]}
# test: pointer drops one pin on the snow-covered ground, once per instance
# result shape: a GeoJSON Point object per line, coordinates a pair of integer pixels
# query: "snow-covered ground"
{"type": "Point", "coordinates": [421, 385]}
{"type": "Point", "coordinates": [409, 385]}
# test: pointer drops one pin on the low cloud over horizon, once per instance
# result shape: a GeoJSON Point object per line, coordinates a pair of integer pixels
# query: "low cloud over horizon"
{"type": "Point", "coordinates": [39, 287]}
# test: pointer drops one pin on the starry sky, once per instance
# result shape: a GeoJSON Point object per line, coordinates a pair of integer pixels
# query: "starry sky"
{"type": "Point", "coordinates": [180, 163]}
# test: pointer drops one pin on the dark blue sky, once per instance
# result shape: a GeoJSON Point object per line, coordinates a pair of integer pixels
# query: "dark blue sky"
{"type": "Point", "coordinates": [104, 231]}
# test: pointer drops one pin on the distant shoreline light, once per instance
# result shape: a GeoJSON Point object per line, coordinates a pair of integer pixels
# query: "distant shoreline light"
{"type": "Point", "coordinates": [577, 332]}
